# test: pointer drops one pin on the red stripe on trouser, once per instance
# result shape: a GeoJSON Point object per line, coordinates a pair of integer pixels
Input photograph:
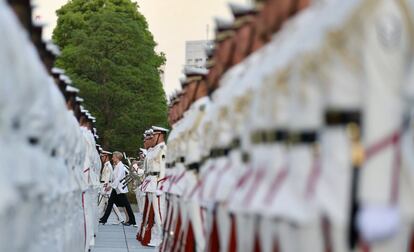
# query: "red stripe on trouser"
{"type": "Point", "coordinates": [276, 247]}
{"type": "Point", "coordinates": [326, 230]}
{"type": "Point", "coordinates": [244, 178]}
{"type": "Point", "coordinates": [143, 222]}
{"type": "Point", "coordinates": [257, 247]}
{"type": "Point", "coordinates": [166, 226]}
{"type": "Point", "coordinates": [176, 180]}
{"type": "Point", "coordinates": [374, 149]}
{"type": "Point", "coordinates": [395, 176]}
{"type": "Point", "coordinates": [251, 192]}
{"type": "Point", "coordinates": [176, 232]}
{"type": "Point", "coordinates": [203, 185]}
{"type": "Point", "coordinates": [313, 179]}
{"type": "Point", "coordinates": [84, 217]}
{"type": "Point", "coordinates": [412, 242]}
{"type": "Point", "coordinates": [214, 242]}
{"type": "Point", "coordinates": [203, 221]}
{"type": "Point", "coordinates": [196, 187]}
{"type": "Point", "coordinates": [189, 245]}
{"type": "Point", "coordinates": [167, 234]}
{"type": "Point", "coordinates": [275, 186]}
{"type": "Point", "coordinates": [364, 247]}
{"type": "Point", "coordinates": [144, 185]}
{"type": "Point", "coordinates": [150, 223]}
{"type": "Point", "coordinates": [181, 240]}
{"type": "Point", "coordinates": [233, 234]}
{"type": "Point", "coordinates": [392, 139]}
{"type": "Point", "coordinates": [159, 208]}
{"type": "Point", "coordinates": [218, 179]}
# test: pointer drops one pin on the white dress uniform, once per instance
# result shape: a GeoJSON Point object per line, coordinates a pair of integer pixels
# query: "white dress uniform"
{"type": "Point", "coordinates": [155, 162]}
{"type": "Point", "coordinates": [341, 79]}
{"type": "Point", "coordinates": [88, 195]}
{"type": "Point", "coordinates": [177, 187]}
{"type": "Point", "coordinates": [190, 209]}
{"type": "Point", "coordinates": [387, 211]}
{"type": "Point", "coordinates": [209, 170]}
{"type": "Point", "coordinates": [234, 98]}
{"type": "Point", "coordinates": [268, 133]}
{"type": "Point", "coordinates": [183, 180]}
{"type": "Point", "coordinates": [196, 156]}
{"type": "Point", "coordinates": [27, 187]}
{"type": "Point", "coordinates": [170, 187]}
{"type": "Point", "coordinates": [74, 156]}
{"type": "Point", "coordinates": [139, 170]}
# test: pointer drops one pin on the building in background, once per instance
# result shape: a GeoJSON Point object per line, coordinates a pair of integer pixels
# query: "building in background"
{"type": "Point", "coordinates": [195, 55]}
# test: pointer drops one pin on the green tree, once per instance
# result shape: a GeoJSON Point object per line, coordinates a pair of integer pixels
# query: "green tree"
{"type": "Point", "coordinates": [109, 53]}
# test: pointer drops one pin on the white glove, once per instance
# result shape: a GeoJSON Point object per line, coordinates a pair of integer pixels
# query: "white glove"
{"type": "Point", "coordinates": [159, 192]}
{"type": "Point", "coordinates": [140, 172]}
{"type": "Point", "coordinates": [378, 223]}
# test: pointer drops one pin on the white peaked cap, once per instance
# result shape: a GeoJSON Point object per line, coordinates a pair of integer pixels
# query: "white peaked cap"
{"type": "Point", "coordinates": [157, 128]}
{"type": "Point", "coordinates": [57, 70]}
{"type": "Point", "coordinates": [72, 89]}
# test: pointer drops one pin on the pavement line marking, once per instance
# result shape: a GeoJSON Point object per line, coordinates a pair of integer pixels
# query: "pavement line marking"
{"type": "Point", "coordinates": [126, 241]}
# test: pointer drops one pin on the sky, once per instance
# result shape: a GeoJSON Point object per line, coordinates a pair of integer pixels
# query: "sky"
{"type": "Point", "coordinates": [172, 22]}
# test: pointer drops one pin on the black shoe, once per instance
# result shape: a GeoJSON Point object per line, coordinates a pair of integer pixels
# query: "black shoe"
{"type": "Point", "coordinates": [102, 222]}
{"type": "Point", "coordinates": [127, 224]}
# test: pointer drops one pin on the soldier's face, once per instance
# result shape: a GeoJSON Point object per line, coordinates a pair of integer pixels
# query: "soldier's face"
{"type": "Point", "coordinates": [191, 90]}
{"type": "Point", "coordinates": [225, 51]}
{"type": "Point", "coordinates": [259, 36]}
{"type": "Point", "coordinates": [151, 141]}
{"type": "Point", "coordinates": [202, 89]}
{"type": "Point", "coordinates": [242, 48]}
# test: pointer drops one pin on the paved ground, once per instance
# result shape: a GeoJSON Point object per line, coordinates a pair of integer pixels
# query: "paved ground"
{"type": "Point", "coordinates": [118, 238]}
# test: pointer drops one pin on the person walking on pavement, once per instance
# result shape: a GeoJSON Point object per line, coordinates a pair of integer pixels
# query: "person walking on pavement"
{"type": "Point", "coordinates": [106, 179]}
{"type": "Point", "coordinates": [118, 195]}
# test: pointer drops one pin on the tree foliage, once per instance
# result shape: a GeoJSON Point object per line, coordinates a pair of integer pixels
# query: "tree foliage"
{"type": "Point", "coordinates": [109, 53]}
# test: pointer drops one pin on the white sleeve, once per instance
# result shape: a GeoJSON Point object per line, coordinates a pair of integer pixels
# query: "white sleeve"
{"type": "Point", "coordinates": [106, 173]}
{"type": "Point", "coordinates": [117, 178]}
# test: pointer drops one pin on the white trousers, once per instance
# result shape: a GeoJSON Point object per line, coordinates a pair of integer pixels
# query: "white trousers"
{"type": "Point", "coordinates": [156, 232]}
{"type": "Point", "coordinates": [140, 201]}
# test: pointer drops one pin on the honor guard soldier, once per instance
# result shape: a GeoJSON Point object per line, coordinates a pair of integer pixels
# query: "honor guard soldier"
{"type": "Point", "coordinates": [155, 168]}
{"type": "Point", "coordinates": [147, 144]}
{"type": "Point", "coordinates": [386, 205]}
{"type": "Point", "coordinates": [340, 76]}
{"type": "Point", "coordinates": [173, 173]}
{"type": "Point", "coordinates": [138, 171]}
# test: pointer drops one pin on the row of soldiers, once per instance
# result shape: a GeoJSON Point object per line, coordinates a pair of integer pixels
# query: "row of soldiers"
{"type": "Point", "coordinates": [297, 137]}
{"type": "Point", "coordinates": [50, 161]}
